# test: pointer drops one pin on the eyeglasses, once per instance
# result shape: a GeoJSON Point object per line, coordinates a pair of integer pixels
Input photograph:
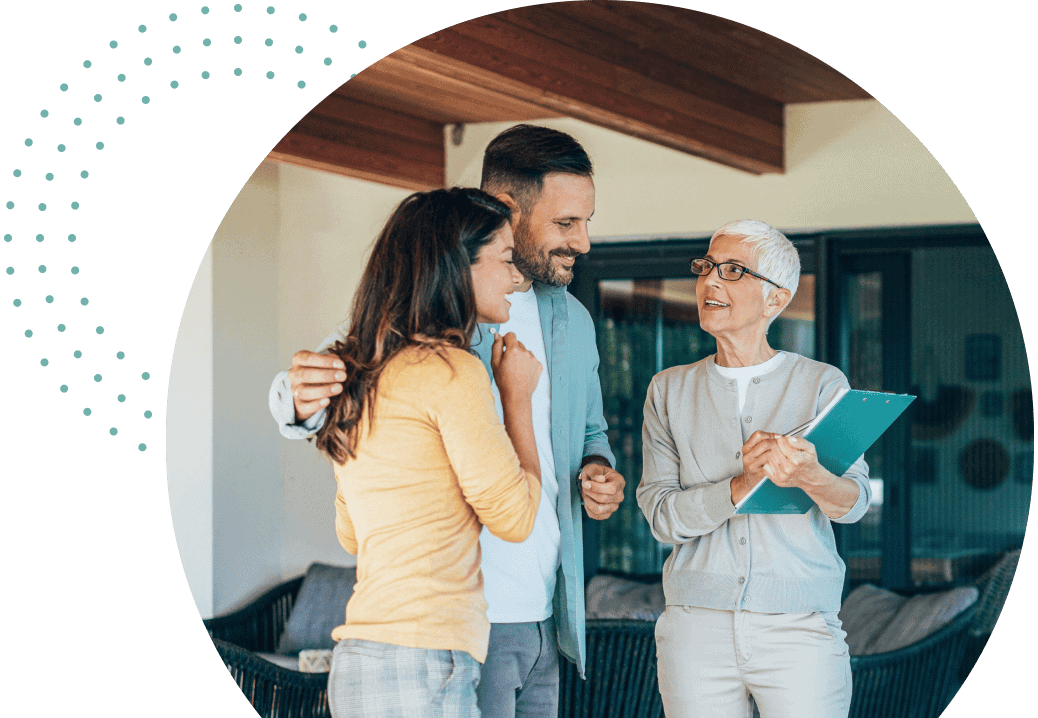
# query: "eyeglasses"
{"type": "Point", "coordinates": [728, 271]}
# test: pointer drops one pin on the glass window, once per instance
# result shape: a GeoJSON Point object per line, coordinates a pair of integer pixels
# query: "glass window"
{"type": "Point", "coordinates": [972, 452]}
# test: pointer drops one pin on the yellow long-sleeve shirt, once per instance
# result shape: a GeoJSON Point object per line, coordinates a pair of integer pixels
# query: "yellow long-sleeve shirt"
{"type": "Point", "coordinates": [434, 468]}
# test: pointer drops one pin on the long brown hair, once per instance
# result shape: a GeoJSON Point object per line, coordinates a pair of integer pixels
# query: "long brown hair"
{"type": "Point", "coordinates": [416, 290]}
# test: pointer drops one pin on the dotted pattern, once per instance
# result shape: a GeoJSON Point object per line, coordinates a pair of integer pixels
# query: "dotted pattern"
{"type": "Point", "coordinates": [71, 315]}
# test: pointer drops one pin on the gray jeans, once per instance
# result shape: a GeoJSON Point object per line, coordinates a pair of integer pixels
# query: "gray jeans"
{"type": "Point", "coordinates": [520, 678]}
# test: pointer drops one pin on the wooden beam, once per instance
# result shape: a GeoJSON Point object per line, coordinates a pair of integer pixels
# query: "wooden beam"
{"type": "Point", "coordinates": [491, 52]}
{"type": "Point", "coordinates": [312, 152]}
{"type": "Point", "coordinates": [345, 107]}
{"type": "Point", "coordinates": [367, 142]}
{"type": "Point", "coordinates": [576, 25]}
{"type": "Point", "coordinates": [391, 83]}
{"type": "Point", "coordinates": [725, 49]}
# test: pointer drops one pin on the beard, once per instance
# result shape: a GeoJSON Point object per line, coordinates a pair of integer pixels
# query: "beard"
{"type": "Point", "coordinates": [533, 263]}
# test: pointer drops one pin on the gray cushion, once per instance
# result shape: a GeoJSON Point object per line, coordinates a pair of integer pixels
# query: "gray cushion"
{"type": "Point", "coordinates": [922, 616]}
{"type": "Point", "coordinates": [320, 606]}
{"type": "Point", "coordinates": [613, 597]}
{"type": "Point", "coordinates": [878, 620]}
{"type": "Point", "coordinates": [866, 612]}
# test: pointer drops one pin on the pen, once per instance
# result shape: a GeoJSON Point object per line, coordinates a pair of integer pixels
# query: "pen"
{"type": "Point", "coordinates": [799, 428]}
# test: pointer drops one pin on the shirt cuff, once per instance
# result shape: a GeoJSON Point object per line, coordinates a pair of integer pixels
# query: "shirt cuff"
{"type": "Point", "coordinates": [283, 409]}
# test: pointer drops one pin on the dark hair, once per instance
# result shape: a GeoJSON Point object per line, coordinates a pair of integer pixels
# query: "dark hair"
{"type": "Point", "coordinates": [416, 290]}
{"type": "Point", "coordinates": [517, 159]}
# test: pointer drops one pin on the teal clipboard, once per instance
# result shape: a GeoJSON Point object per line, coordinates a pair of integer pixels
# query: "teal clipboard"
{"type": "Point", "coordinates": [841, 433]}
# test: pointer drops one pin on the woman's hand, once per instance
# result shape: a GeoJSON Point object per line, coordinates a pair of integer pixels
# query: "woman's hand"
{"type": "Point", "coordinates": [754, 456]}
{"type": "Point", "coordinates": [794, 462]}
{"type": "Point", "coordinates": [791, 461]}
{"type": "Point", "coordinates": [516, 369]}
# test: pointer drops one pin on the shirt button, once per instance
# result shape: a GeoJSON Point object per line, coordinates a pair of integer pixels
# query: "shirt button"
{"type": "Point", "coordinates": [749, 419]}
{"type": "Point", "coordinates": [742, 580]}
{"type": "Point", "coordinates": [745, 598]}
{"type": "Point", "coordinates": [756, 380]}
{"type": "Point", "coordinates": [742, 541]}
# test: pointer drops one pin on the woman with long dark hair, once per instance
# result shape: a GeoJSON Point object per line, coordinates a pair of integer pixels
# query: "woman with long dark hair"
{"type": "Point", "coordinates": [422, 461]}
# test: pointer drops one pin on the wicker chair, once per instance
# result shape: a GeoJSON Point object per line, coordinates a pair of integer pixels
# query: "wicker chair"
{"type": "Point", "coordinates": [277, 692]}
{"type": "Point", "coordinates": [917, 681]}
{"type": "Point", "coordinates": [994, 588]}
{"type": "Point", "coordinates": [274, 692]}
{"type": "Point", "coordinates": [913, 682]}
{"type": "Point", "coordinates": [621, 673]}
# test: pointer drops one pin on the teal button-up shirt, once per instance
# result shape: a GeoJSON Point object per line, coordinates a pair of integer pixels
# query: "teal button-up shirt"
{"type": "Point", "coordinates": [577, 430]}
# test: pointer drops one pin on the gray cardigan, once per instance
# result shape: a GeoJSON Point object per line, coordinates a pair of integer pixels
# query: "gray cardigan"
{"type": "Point", "coordinates": [691, 446]}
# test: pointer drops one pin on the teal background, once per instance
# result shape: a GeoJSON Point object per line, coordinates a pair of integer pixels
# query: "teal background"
{"type": "Point", "coordinates": [86, 527]}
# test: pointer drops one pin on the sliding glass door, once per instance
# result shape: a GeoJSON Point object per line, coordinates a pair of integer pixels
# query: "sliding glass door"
{"type": "Point", "coordinates": [873, 345]}
{"type": "Point", "coordinates": [928, 312]}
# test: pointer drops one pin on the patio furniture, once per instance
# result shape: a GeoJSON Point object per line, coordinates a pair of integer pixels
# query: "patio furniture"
{"type": "Point", "coordinates": [913, 681]}
{"type": "Point", "coordinates": [917, 681]}
{"type": "Point", "coordinates": [274, 690]}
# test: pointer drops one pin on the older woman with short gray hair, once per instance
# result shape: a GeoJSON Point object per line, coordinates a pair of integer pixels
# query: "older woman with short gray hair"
{"type": "Point", "coordinates": [752, 599]}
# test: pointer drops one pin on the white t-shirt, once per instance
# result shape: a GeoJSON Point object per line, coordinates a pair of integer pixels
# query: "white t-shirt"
{"type": "Point", "coordinates": [743, 375]}
{"type": "Point", "coordinates": [519, 578]}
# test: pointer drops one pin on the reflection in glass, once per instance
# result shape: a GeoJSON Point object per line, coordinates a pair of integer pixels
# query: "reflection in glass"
{"type": "Point", "coordinates": [863, 547]}
{"type": "Point", "coordinates": [971, 458]}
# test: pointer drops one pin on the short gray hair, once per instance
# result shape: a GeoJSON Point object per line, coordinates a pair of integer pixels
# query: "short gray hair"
{"type": "Point", "coordinates": [777, 258]}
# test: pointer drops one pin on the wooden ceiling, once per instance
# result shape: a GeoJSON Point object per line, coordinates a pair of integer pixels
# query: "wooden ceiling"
{"type": "Point", "coordinates": [690, 81]}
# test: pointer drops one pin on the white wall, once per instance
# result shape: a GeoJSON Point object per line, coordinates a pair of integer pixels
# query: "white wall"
{"type": "Point", "coordinates": [328, 224]}
{"type": "Point", "coordinates": [848, 164]}
{"type": "Point", "coordinates": [288, 255]}
{"type": "Point", "coordinates": [249, 507]}
{"type": "Point", "coordinates": [189, 430]}
{"type": "Point", "coordinates": [247, 525]}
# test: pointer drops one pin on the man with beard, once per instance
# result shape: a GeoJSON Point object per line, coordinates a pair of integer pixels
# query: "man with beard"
{"type": "Point", "coordinates": [534, 589]}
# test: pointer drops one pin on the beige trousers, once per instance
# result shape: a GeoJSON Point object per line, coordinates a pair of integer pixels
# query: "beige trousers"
{"type": "Point", "coordinates": [792, 664]}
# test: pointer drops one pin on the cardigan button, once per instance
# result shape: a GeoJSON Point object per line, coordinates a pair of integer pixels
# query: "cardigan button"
{"type": "Point", "coordinates": [742, 541]}
{"type": "Point", "coordinates": [738, 454]}
{"type": "Point", "coordinates": [749, 419]}
{"type": "Point", "coordinates": [756, 380]}
{"type": "Point", "coordinates": [742, 580]}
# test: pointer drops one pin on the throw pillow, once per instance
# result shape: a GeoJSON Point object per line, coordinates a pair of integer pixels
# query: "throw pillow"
{"type": "Point", "coordinates": [320, 606]}
{"type": "Point", "coordinates": [922, 616]}
{"type": "Point", "coordinates": [316, 660]}
{"type": "Point", "coordinates": [866, 612]}
{"type": "Point", "coordinates": [614, 597]}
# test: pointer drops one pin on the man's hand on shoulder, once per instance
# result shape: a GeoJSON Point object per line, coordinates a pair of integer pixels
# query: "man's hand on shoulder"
{"type": "Point", "coordinates": [602, 489]}
{"type": "Point", "coordinates": [314, 379]}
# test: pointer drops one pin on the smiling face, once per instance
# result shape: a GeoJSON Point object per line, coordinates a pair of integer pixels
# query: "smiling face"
{"type": "Point", "coordinates": [735, 310]}
{"type": "Point", "coordinates": [494, 276]}
{"type": "Point", "coordinates": [554, 232]}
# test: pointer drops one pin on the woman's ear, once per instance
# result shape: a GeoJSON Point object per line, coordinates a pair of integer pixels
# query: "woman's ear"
{"type": "Point", "coordinates": [510, 202]}
{"type": "Point", "coordinates": [777, 300]}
